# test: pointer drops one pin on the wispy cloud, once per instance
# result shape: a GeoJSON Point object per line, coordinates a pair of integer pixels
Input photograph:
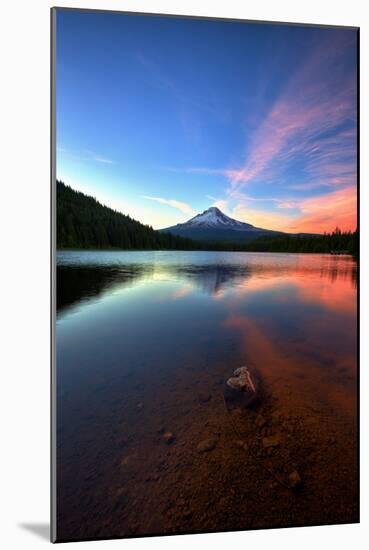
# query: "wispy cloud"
{"type": "Point", "coordinates": [99, 158]}
{"type": "Point", "coordinates": [222, 204]}
{"type": "Point", "coordinates": [277, 202]}
{"type": "Point", "coordinates": [200, 170]}
{"type": "Point", "coordinates": [325, 212]}
{"type": "Point", "coordinates": [85, 155]}
{"type": "Point", "coordinates": [306, 186]}
{"type": "Point", "coordinates": [311, 122]}
{"type": "Point", "coordinates": [309, 134]}
{"type": "Point", "coordinates": [182, 206]}
{"type": "Point", "coordinates": [309, 215]}
{"type": "Point", "coordinates": [309, 130]}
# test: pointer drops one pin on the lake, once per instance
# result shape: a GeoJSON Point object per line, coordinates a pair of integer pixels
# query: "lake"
{"type": "Point", "coordinates": [145, 341]}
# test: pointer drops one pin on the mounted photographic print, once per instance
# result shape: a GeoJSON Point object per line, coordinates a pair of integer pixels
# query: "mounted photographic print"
{"type": "Point", "coordinates": [205, 253]}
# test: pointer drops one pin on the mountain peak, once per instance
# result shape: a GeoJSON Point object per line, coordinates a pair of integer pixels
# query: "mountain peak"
{"type": "Point", "coordinates": [213, 209]}
{"type": "Point", "coordinates": [213, 225]}
{"type": "Point", "coordinates": [214, 218]}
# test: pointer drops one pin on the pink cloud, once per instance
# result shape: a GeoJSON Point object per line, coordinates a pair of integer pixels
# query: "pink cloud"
{"type": "Point", "coordinates": [288, 120]}
{"type": "Point", "coordinates": [314, 215]}
{"type": "Point", "coordinates": [298, 126]}
{"type": "Point", "coordinates": [326, 212]}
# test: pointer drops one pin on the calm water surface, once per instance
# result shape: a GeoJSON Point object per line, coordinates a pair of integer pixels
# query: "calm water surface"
{"type": "Point", "coordinates": [144, 343]}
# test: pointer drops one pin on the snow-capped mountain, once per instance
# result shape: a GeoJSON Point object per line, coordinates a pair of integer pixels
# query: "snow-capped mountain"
{"type": "Point", "coordinates": [214, 218]}
{"type": "Point", "coordinates": [212, 224]}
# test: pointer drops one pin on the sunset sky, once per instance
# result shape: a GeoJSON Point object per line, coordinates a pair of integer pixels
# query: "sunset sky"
{"type": "Point", "coordinates": [161, 118]}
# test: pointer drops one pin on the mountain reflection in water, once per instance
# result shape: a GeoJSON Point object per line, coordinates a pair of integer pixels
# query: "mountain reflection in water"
{"type": "Point", "coordinates": [82, 279]}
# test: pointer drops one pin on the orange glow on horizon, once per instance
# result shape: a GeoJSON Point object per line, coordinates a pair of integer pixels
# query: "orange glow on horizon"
{"type": "Point", "coordinates": [317, 214]}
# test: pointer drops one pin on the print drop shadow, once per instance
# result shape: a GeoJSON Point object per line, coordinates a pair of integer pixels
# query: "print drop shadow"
{"type": "Point", "coordinates": [42, 530]}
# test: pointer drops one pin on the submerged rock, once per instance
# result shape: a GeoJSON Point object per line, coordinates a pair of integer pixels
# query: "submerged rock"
{"type": "Point", "coordinates": [271, 441]}
{"type": "Point", "coordinates": [242, 389]}
{"type": "Point", "coordinates": [169, 437]}
{"type": "Point", "coordinates": [294, 480]}
{"type": "Point", "coordinates": [207, 445]}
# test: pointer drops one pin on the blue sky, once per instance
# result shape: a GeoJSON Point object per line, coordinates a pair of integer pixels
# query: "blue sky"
{"type": "Point", "coordinates": [162, 117]}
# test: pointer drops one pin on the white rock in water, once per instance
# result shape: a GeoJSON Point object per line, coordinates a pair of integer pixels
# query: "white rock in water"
{"type": "Point", "coordinates": [242, 388]}
{"type": "Point", "coordinates": [241, 380]}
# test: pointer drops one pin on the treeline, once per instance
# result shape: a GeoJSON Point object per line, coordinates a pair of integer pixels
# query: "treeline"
{"type": "Point", "coordinates": [82, 222]}
{"type": "Point", "coordinates": [338, 241]}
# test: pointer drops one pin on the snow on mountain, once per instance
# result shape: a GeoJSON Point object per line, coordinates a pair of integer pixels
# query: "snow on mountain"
{"type": "Point", "coordinates": [213, 225]}
{"type": "Point", "coordinates": [213, 218]}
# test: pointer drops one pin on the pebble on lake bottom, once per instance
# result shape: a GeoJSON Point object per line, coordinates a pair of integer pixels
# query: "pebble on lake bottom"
{"type": "Point", "coordinates": [207, 445]}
